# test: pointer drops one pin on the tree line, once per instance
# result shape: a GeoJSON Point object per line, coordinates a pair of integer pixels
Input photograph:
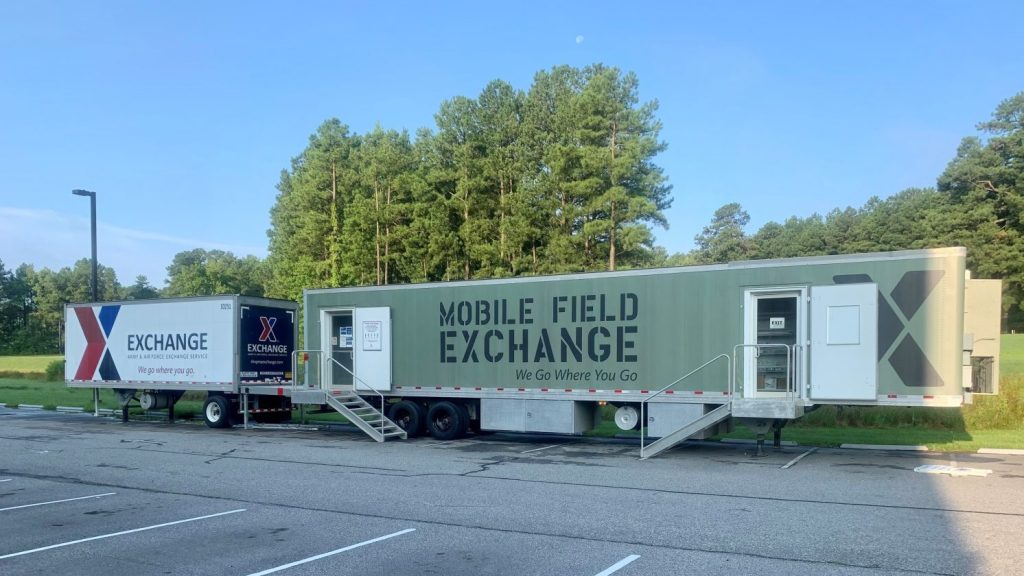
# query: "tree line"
{"type": "Point", "coordinates": [978, 203]}
{"type": "Point", "coordinates": [556, 178]}
{"type": "Point", "coordinates": [560, 177]}
{"type": "Point", "coordinates": [32, 301]}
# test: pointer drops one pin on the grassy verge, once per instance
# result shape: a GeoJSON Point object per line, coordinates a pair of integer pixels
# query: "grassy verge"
{"type": "Point", "coordinates": [17, 391]}
{"type": "Point", "coordinates": [36, 364]}
{"type": "Point", "coordinates": [49, 395]}
{"type": "Point", "coordinates": [937, 440]}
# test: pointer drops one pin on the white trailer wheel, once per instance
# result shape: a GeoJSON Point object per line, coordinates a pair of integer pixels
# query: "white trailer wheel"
{"type": "Point", "coordinates": [627, 418]}
{"type": "Point", "coordinates": [216, 412]}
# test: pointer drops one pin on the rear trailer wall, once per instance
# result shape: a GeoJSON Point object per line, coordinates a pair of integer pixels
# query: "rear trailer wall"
{"type": "Point", "coordinates": [640, 330]}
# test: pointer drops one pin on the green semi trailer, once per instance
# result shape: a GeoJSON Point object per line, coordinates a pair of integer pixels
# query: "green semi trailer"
{"type": "Point", "coordinates": [679, 352]}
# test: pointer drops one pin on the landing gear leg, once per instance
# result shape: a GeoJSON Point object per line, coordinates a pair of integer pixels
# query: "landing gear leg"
{"type": "Point", "coordinates": [760, 429]}
{"type": "Point", "coordinates": [124, 398]}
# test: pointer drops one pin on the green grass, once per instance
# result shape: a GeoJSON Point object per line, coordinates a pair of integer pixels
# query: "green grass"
{"type": "Point", "coordinates": [937, 440]}
{"type": "Point", "coordinates": [26, 364]}
{"type": "Point", "coordinates": [16, 391]}
{"type": "Point", "coordinates": [1011, 355]}
{"type": "Point", "coordinates": [49, 395]}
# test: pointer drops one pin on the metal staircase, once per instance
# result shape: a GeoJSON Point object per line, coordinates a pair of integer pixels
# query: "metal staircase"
{"type": "Point", "coordinates": [361, 413]}
{"type": "Point", "coordinates": [711, 418]}
{"type": "Point", "coordinates": [310, 386]}
{"type": "Point", "coordinates": [706, 421]}
{"type": "Point", "coordinates": [787, 406]}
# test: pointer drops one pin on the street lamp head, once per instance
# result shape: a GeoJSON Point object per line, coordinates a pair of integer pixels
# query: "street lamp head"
{"type": "Point", "coordinates": [83, 193]}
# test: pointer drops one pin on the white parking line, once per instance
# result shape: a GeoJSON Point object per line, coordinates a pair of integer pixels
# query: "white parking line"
{"type": "Point", "coordinates": [798, 458]}
{"type": "Point", "coordinates": [539, 449]}
{"type": "Point", "coordinates": [122, 533]}
{"type": "Point", "coordinates": [460, 442]}
{"type": "Point", "coordinates": [6, 479]}
{"type": "Point", "coordinates": [618, 565]}
{"type": "Point", "coordinates": [331, 553]}
{"type": "Point", "coordinates": [57, 501]}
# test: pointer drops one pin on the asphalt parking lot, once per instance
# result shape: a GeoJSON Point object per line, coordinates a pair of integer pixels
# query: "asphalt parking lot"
{"type": "Point", "coordinates": [84, 495]}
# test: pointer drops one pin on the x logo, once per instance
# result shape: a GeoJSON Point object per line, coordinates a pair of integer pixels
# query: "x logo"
{"type": "Point", "coordinates": [268, 329]}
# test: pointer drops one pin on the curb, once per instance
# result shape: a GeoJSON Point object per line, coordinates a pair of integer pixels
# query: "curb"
{"type": "Point", "coordinates": [748, 441]}
{"type": "Point", "coordinates": [894, 447]}
{"type": "Point", "coordinates": [1004, 451]}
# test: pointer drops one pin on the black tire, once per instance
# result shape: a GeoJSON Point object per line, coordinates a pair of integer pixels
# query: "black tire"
{"type": "Point", "coordinates": [447, 420]}
{"type": "Point", "coordinates": [217, 411]}
{"type": "Point", "coordinates": [409, 416]}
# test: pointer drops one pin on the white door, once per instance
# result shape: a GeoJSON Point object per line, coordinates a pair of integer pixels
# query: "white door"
{"type": "Point", "coordinates": [372, 351]}
{"type": "Point", "coordinates": [844, 342]}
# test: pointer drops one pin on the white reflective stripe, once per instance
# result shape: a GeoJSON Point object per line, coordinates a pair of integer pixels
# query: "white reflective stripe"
{"type": "Point", "coordinates": [539, 449]}
{"type": "Point", "coordinates": [618, 565]}
{"type": "Point", "coordinates": [122, 533]}
{"type": "Point", "coordinates": [798, 458]}
{"type": "Point", "coordinates": [57, 501]}
{"type": "Point", "coordinates": [331, 553]}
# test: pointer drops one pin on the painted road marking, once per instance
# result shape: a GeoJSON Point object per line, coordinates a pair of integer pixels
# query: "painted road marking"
{"type": "Point", "coordinates": [451, 442]}
{"type": "Point", "coordinates": [799, 458]}
{"type": "Point", "coordinates": [618, 565]}
{"type": "Point", "coordinates": [6, 479]}
{"type": "Point", "coordinates": [122, 533]}
{"type": "Point", "coordinates": [331, 553]}
{"type": "Point", "coordinates": [57, 501]}
{"type": "Point", "coordinates": [539, 449]}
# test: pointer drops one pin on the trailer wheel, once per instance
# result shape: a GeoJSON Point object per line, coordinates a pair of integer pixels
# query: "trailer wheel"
{"type": "Point", "coordinates": [447, 420]}
{"type": "Point", "coordinates": [217, 411]}
{"type": "Point", "coordinates": [409, 415]}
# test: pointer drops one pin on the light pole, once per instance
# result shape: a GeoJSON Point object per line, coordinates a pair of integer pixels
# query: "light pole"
{"type": "Point", "coordinates": [92, 205]}
{"type": "Point", "coordinates": [95, 291]}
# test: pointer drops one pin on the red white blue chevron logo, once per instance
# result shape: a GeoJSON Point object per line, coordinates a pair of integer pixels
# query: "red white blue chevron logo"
{"type": "Point", "coordinates": [268, 329]}
{"type": "Point", "coordinates": [96, 329]}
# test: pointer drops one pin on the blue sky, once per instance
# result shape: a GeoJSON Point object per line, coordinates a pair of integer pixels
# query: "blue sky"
{"type": "Point", "coordinates": [181, 115]}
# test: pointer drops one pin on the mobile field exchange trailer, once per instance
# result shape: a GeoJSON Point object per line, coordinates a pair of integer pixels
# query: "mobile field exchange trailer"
{"type": "Point", "coordinates": [680, 352]}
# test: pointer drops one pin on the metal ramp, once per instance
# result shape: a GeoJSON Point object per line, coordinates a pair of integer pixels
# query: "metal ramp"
{"type": "Point", "coordinates": [361, 413]}
{"type": "Point", "coordinates": [706, 421]}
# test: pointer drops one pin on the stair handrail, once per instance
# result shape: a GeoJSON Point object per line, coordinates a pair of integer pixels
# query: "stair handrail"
{"type": "Point", "coordinates": [643, 403]}
{"type": "Point", "coordinates": [791, 383]}
{"type": "Point", "coordinates": [295, 369]}
{"type": "Point", "coordinates": [375, 391]}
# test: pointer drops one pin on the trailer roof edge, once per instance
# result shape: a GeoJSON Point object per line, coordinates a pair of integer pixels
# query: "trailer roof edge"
{"type": "Point", "coordinates": [829, 259]}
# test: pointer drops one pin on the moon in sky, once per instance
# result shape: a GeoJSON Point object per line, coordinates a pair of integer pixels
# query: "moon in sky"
{"type": "Point", "coordinates": [579, 39]}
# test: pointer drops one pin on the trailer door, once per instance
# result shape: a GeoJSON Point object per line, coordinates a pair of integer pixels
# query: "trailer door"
{"type": "Point", "coordinates": [373, 349]}
{"type": "Point", "coordinates": [844, 342]}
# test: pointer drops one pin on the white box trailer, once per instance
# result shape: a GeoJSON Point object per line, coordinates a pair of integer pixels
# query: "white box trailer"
{"type": "Point", "coordinates": [155, 350]}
